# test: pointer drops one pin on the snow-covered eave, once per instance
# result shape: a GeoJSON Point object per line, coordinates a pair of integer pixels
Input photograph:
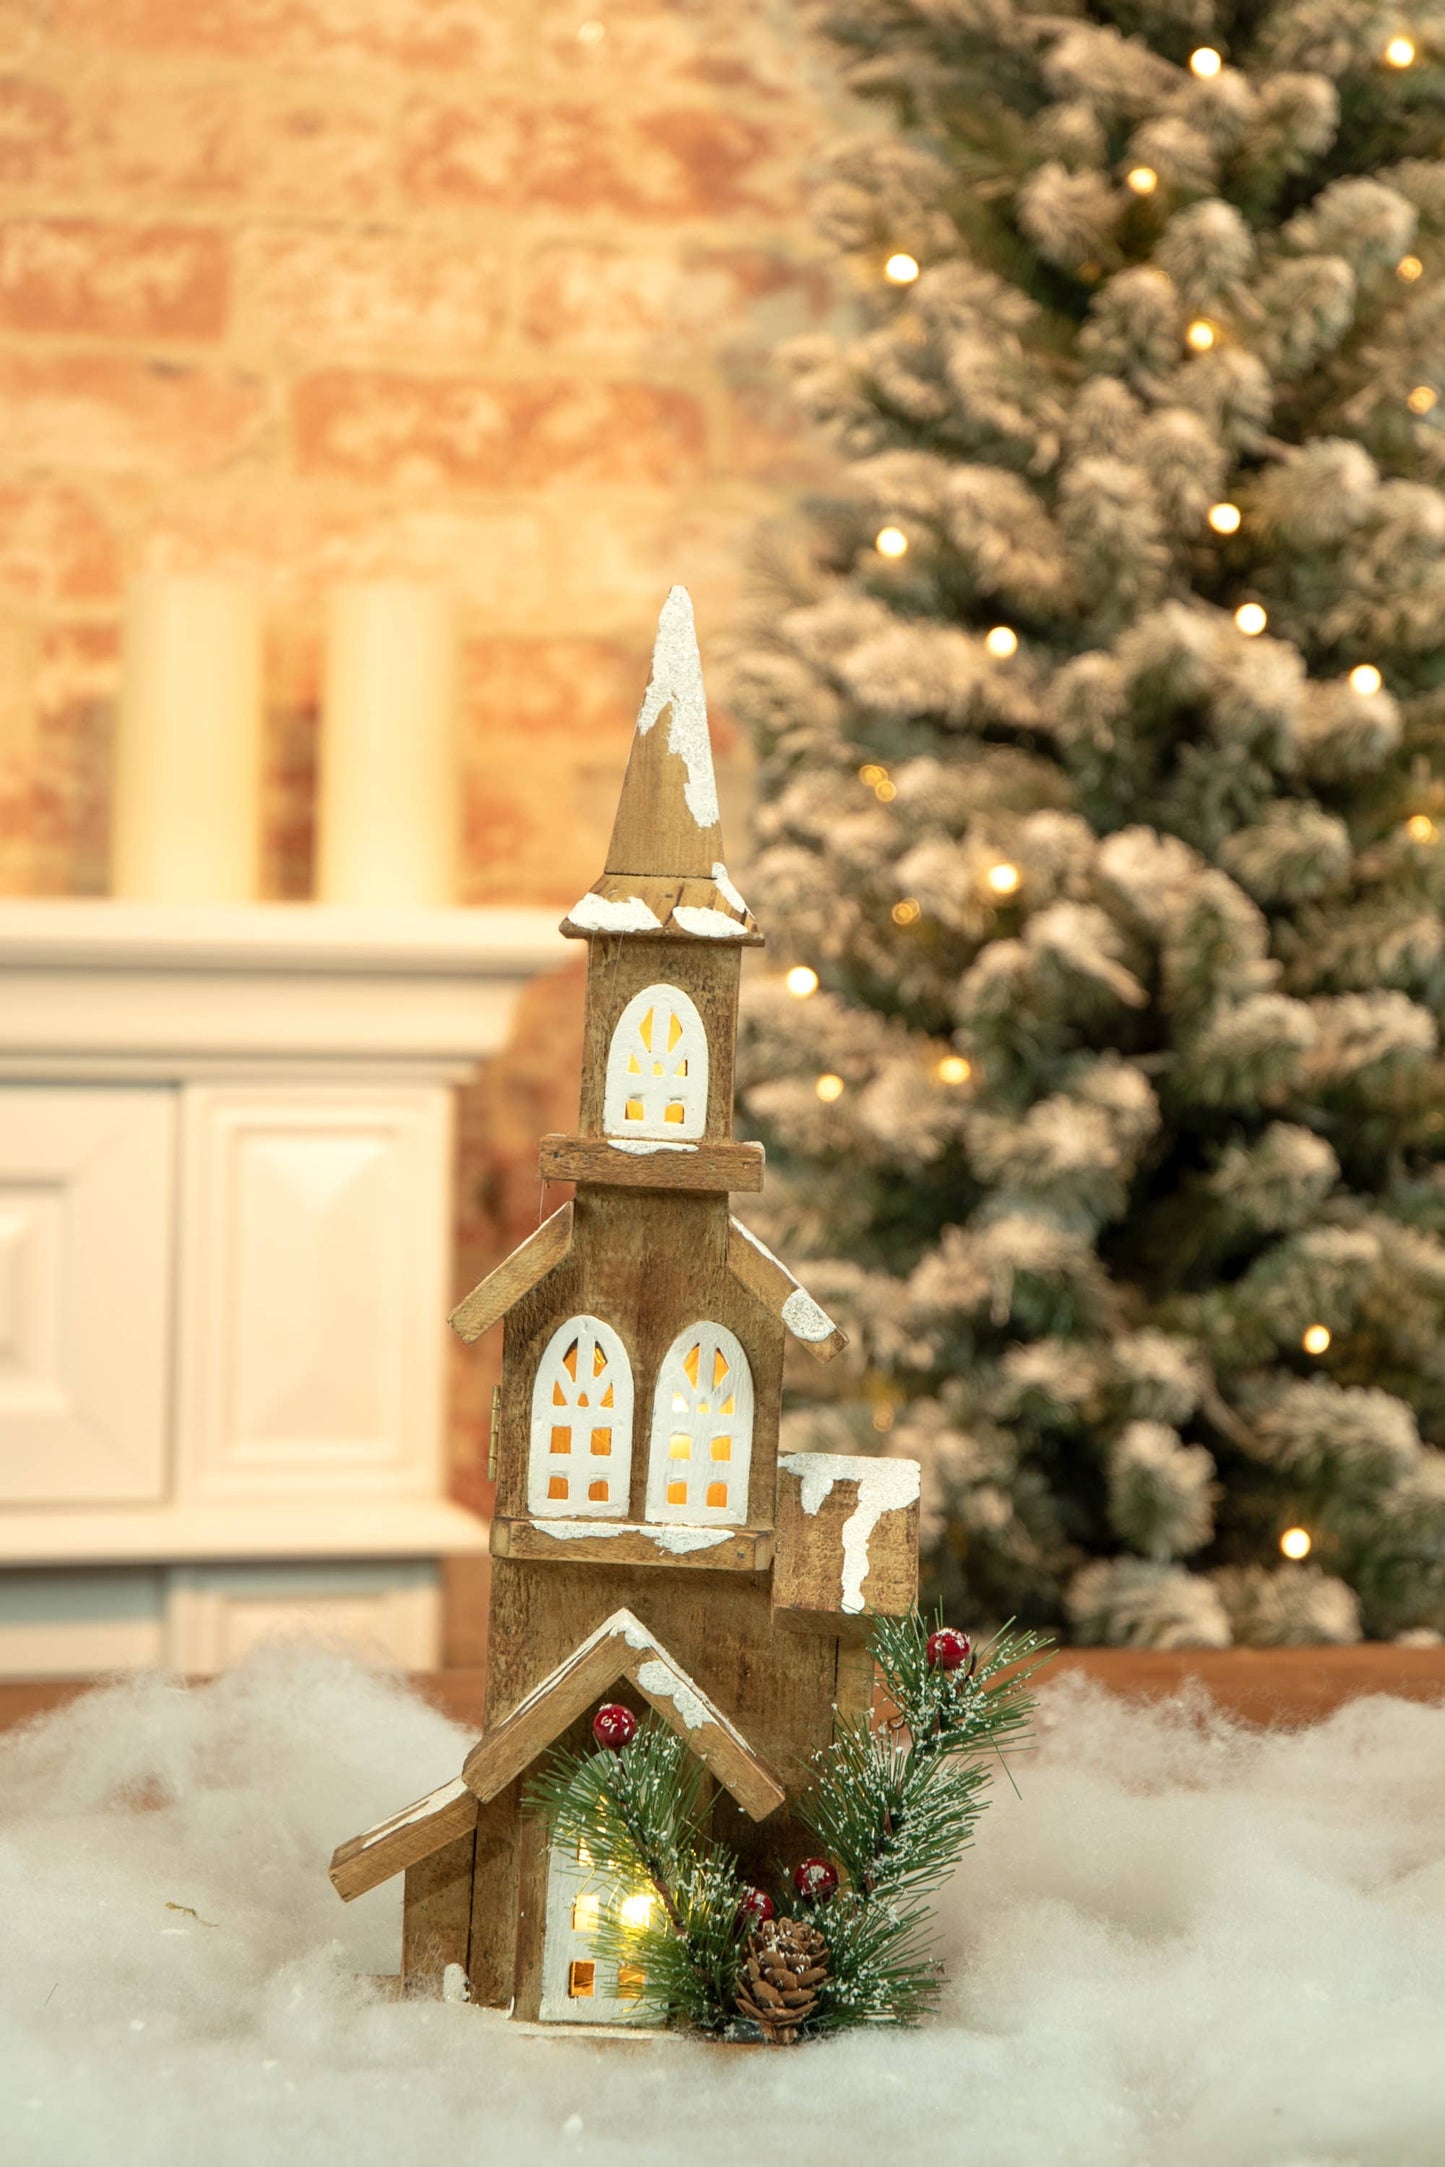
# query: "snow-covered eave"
{"type": "Point", "coordinates": [768, 1279]}
{"type": "Point", "coordinates": [661, 906]}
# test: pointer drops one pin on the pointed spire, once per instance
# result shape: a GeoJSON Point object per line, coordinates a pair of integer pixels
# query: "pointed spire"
{"type": "Point", "coordinates": [667, 816]}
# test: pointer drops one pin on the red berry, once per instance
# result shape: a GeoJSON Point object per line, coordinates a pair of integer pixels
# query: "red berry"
{"type": "Point", "coordinates": [755, 1905]}
{"type": "Point", "coordinates": [948, 1649]}
{"type": "Point", "coordinates": [614, 1726]}
{"type": "Point", "coordinates": [816, 1879]}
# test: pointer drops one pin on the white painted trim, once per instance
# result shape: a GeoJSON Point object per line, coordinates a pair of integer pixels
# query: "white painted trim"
{"type": "Point", "coordinates": [653, 1092]}
{"type": "Point", "coordinates": [578, 1415]}
{"type": "Point", "coordinates": [670, 1418]}
{"type": "Point", "coordinates": [296, 1528]}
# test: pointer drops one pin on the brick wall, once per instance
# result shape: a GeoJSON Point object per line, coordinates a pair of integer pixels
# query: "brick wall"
{"type": "Point", "coordinates": [479, 290]}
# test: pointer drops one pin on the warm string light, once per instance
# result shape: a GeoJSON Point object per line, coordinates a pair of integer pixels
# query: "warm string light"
{"type": "Point", "coordinates": [954, 1069]}
{"type": "Point", "coordinates": [1204, 62]}
{"type": "Point", "coordinates": [1365, 679]}
{"type": "Point", "coordinates": [1225, 518]}
{"type": "Point", "coordinates": [1423, 399]}
{"type": "Point", "coordinates": [801, 981]}
{"type": "Point", "coordinates": [828, 1088]}
{"type": "Point", "coordinates": [902, 268]}
{"type": "Point", "coordinates": [1409, 268]}
{"type": "Point", "coordinates": [1004, 879]}
{"type": "Point", "coordinates": [1002, 641]}
{"type": "Point", "coordinates": [1400, 52]}
{"type": "Point", "coordinates": [1200, 335]}
{"type": "Point", "coordinates": [591, 32]}
{"type": "Point", "coordinates": [1142, 179]}
{"type": "Point", "coordinates": [1295, 1542]}
{"type": "Point", "coordinates": [1421, 828]}
{"type": "Point", "coordinates": [906, 912]}
{"type": "Point", "coordinates": [635, 1910]}
{"type": "Point", "coordinates": [882, 1418]}
{"type": "Point", "coordinates": [1251, 618]}
{"type": "Point", "coordinates": [1316, 1339]}
{"type": "Point", "coordinates": [891, 542]}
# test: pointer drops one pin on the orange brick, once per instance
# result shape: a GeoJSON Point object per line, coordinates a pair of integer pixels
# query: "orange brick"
{"type": "Point", "coordinates": [385, 428]}
{"type": "Point", "coordinates": [78, 670]}
{"type": "Point", "coordinates": [84, 275]}
{"type": "Point", "coordinates": [606, 48]}
{"type": "Point", "coordinates": [446, 34]}
{"type": "Point", "coordinates": [678, 162]}
{"type": "Point", "coordinates": [54, 546]}
{"type": "Point", "coordinates": [583, 692]}
{"type": "Point", "coordinates": [111, 414]}
{"type": "Point", "coordinates": [624, 300]}
{"type": "Point", "coordinates": [36, 133]}
{"type": "Point", "coordinates": [318, 292]}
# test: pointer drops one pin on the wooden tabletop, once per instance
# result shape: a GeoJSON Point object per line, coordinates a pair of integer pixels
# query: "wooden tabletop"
{"type": "Point", "coordinates": [1257, 1685]}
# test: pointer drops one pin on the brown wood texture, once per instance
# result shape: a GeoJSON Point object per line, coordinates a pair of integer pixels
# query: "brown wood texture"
{"type": "Point", "coordinates": [532, 1850]}
{"type": "Point", "coordinates": [742, 1549]}
{"type": "Point", "coordinates": [776, 1686]}
{"type": "Point", "coordinates": [541, 1253]}
{"type": "Point", "coordinates": [773, 1283]}
{"type": "Point", "coordinates": [662, 893]}
{"type": "Point", "coordinates": [436, 1918]}
{"type": "Point", "coordinates": [714, 1166]}
{"type": "Point", "coordinates": [622, 1648]}
{"type": "Point", "coordinates": [492, 1952]}
{"type": "Point", "coordinates": [364, 1861]}
{"type": "Point", "coordinates": [618, 966]}
{"type": "Point", "coordinates": [654, 831]}
{"type": "Point", "coordinates": [650, 1265]}
{"type": "Point", "coordinates": [809, 1561]}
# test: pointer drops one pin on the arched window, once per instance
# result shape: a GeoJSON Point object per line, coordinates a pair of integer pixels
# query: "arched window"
{"type": "Point", "coordinates": [702, 1430]}
{"type": "Point", "coordinates": [657, 1068]}
{"type": "Point", "coordinates": [581, 1457]}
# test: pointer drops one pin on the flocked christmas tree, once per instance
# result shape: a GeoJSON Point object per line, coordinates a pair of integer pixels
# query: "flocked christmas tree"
{"type": "Point", "coordinates": [1102, 727]}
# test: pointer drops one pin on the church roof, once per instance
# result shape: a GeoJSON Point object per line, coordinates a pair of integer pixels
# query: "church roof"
{"type": "Point", "coordinates": [665, 875]}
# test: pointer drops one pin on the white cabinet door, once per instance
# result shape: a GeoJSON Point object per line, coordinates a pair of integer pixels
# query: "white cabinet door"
{"type": "Point", "coordinates": [86, 1207]}
{"type": "Point", "coordinates": [314, 1228]}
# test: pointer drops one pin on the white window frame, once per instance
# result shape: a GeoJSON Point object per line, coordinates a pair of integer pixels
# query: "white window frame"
{"type": "Point", "coordinates": [552, 1413]}
{"type": "Point", "coordinates": [572, 1882]}
{"type": "Point", "coordinates": [638, 1103]}
{"type": "Point", "coordinates": [678, 1413]}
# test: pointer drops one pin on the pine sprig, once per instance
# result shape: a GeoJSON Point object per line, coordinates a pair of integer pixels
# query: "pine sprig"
{"type": "Point", "coordinates": [894, 1806]}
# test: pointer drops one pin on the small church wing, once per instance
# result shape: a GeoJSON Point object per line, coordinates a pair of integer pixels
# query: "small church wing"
{"type": "Point", "coordinates": [524, 1269]}
{"type": "Point", "coordinates": [751, 1261]}
{"type": "Point", "coordinates": [622, 1647]}
{"type": "Point", "coordinates": [415, 1833]}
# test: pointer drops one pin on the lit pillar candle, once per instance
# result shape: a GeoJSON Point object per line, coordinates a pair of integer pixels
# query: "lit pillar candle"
{"type": "Point", "coordinates": [388, 787]}
{"type": "Point", "coordinates": [188, 742]}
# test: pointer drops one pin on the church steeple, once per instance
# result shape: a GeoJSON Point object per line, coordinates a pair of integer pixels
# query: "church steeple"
{"type": "Point", "coordinates": [665, 875]}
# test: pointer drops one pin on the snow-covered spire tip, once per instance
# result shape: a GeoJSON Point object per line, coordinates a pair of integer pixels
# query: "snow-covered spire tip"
{"type": "Point", "coordinates": [675, 682]}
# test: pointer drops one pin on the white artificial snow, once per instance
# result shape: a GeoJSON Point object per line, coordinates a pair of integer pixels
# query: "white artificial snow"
{"type": "Point", "coordinates": [642, 1147]}
{"type": "Point", "coordinates": [677, 1541]}
{"type": "Point", "coordinates": [722, 881]}
{"type": "Point", "coordinates": [614, 914]}
{"type": "Point", "coordinates": [705, 924]}
{"type": "Point", "coordinates": [661, 1682]}
{"type": "Point", "coordinates": [676, 683]}
{"type": "Point", "coordinates": [804, 1317]}
{"type": "Point", "coordinates": [1183, 1945]}
{"type": "Point", "coordinates": [423, 1810]}
{"type": "Point", "coordinates": [883, 1486]}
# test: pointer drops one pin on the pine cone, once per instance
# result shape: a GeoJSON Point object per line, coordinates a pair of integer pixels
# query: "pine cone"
{"type": "Point", "coordinates": [785, 1961]}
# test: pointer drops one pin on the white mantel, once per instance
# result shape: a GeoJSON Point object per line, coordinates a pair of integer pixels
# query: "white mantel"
{"type": "Point", "coordinates": [225, 1259]}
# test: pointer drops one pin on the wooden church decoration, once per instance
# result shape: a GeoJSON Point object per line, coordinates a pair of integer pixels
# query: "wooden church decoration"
{"type": "Point", "coordinates": [647, 1534]}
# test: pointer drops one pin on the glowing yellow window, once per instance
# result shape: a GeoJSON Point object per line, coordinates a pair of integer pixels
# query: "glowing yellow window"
{"type": "Point", "coordinates": [679, 1446]}
{"type": "Point", "coordinates": [677, 1493]}
{"type": "Point", "coordinates": [676, 1112]}
{"type": "Point", "coordinates": [584, 1914]}
{"type": "Point", "coordinates": [557, 1486]}
{"type": "Point", "coordinates": [561, 1439]}
{"type": "Point", "coordinates": [631, 1979]}
{"type": "Point", "coordinates": [582, 1980]}
{"type": "Point", "coordinates": [721, 1448]}
{"type": "Point", "coordinates": [717, 1493]}
{"type": "Point", "coordinates": [601, 1444]}
{"type": "Point", "coordinates": [597, 1493]}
